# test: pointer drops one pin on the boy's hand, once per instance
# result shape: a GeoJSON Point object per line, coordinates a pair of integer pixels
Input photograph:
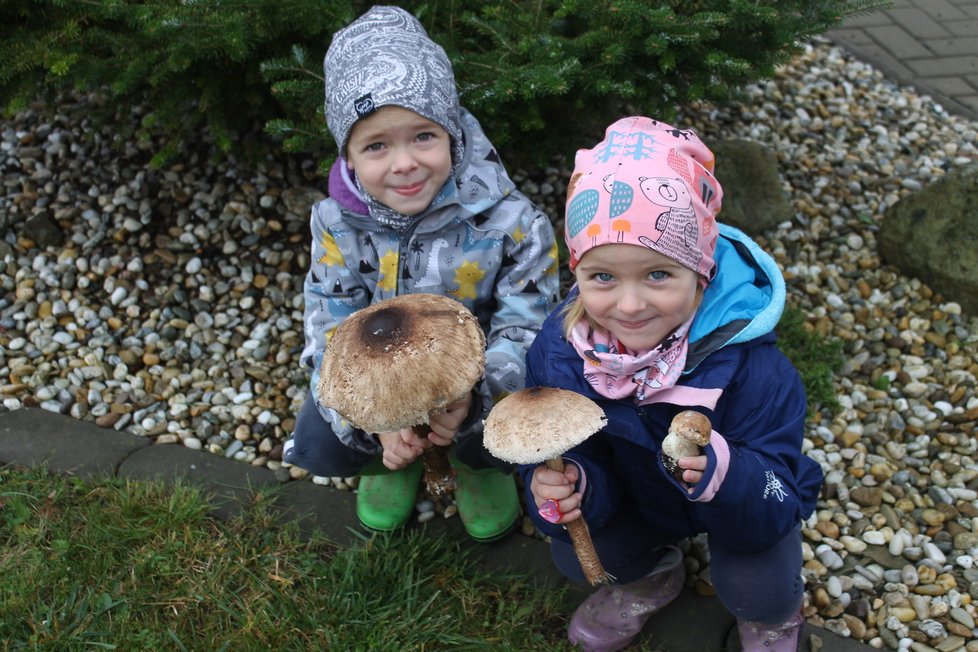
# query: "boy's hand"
{"type": "Point", "coordinates": [445, 425]}
{"type": "Point", "coordinates": [557, 486]}
{"type": "Point", "coordinates": [401, 447]}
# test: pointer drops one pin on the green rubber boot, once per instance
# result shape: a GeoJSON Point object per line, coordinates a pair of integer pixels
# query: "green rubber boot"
{"type": "Point", "coordinates": [385, 498]}
{"type": "Point", "coordinates": [487, 501]}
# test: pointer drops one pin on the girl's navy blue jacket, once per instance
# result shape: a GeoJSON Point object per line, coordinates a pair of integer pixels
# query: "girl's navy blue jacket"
{"type": "Point", "coordinates": [736, 375]}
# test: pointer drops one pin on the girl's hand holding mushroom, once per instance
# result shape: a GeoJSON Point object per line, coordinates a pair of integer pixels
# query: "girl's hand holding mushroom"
{"type": "Point", "coordinates": [693, 468]}
{"type": "Point", "coordinates": [682, 448]}
{"type": "Point", "coordinates": [557, 489]}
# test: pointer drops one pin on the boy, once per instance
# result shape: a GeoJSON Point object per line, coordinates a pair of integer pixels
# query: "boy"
{"type": "Point", "coordinates": [419, 202]}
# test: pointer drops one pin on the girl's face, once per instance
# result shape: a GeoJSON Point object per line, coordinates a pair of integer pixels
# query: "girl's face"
{"type": "Point", "coordinates": [400, 158]}
{"type": "Point", "coordinates": [636, 294]}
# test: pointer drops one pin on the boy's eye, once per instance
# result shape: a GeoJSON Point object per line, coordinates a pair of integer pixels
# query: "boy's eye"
{"type": "Point", "coordinates": [425, 136]}
{"type": "Point", "coordinates": [374, 147]}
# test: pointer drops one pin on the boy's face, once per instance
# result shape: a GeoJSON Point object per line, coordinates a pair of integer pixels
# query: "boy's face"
{"type": "Point", "coordinates": [401, 158]}
{"type": "Point", "coordinates": [636, 294]}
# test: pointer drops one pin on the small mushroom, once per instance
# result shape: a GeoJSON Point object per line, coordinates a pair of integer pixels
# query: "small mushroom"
{"type": "Point", "coordinates": [688, 433]}
{"type": "Point", "coordinates": [395, 363]}
{"type": "Point", "coordinates": [538, 425]}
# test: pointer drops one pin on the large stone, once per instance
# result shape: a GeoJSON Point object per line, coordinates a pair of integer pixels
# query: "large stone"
{"type": "Point", "coordinates": [932, 235]}
{"type": "Point", "coordinates": [753, 198]}
{"type": "Point", "coordinates": [42, 229]}
{"type": "Point", "coordinates": [300, 200]}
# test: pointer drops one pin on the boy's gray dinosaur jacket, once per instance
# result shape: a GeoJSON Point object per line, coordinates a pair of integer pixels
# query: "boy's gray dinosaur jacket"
{"type": "Point", "coordinates": [481, 242]}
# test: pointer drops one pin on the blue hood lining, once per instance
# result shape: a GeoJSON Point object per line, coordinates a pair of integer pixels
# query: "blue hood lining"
{"type": "Point", "coordinates": [747, 293]}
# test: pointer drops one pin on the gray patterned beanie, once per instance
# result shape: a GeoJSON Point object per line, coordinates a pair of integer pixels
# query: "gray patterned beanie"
{"type": "Point", "coordinates": [385, 58]}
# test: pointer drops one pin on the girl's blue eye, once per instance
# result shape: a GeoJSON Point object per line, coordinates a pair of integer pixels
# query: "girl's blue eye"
{"type": "Point", "coordinates": [425, 136]}
{"type": "Point", "coordinates": [604, 277]}
{"type": "Point", "coordinates": [658, 275]}
{"type": "Point", "coordinates": [374, 147]}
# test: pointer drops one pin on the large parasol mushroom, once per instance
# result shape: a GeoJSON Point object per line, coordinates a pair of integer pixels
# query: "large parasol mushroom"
{"type": "Point", "coordinates": [395, 363]}
{"type": "Point", "coordinates": [538, 425]}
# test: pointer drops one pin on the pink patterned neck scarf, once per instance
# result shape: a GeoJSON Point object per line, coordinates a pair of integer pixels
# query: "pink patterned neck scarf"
{"type": "Point", "coordinates": [616, 373]}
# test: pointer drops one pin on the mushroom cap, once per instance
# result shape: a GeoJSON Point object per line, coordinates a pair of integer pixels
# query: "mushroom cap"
{"type": "Point", "coordinates": [539, 423]}
{"type": "Point", "coordinates": [692, 426]}
{"type": "Point", "coordinates": [392, 364]}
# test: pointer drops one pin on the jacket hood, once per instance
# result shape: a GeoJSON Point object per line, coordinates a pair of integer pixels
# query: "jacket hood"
{"type": "Point", "coordinates": [743, 302]}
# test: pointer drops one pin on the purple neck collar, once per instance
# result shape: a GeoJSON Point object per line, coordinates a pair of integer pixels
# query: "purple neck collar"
{"type": "Point", "coordinates": [343, 189]}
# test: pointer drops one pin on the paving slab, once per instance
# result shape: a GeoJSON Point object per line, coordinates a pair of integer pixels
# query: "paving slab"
{"type": "Point", "coordinates": [927, 44]}
{"type": "Point", "coordinates": [328, 511]}
{"type": "Point", "coordinates": [34, 437]}
{"type": "Point", "coordinates": [231, 485]}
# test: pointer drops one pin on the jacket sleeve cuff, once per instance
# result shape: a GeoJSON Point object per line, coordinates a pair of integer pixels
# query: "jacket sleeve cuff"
{"type": "Point", "coordinates": [358, 440]}
{"type": "Point", "coordinates": [581, 478]}
{"type": "Point", "coordinates": [717, 462]}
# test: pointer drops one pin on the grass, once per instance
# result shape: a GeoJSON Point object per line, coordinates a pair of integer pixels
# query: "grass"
{"type": "Point", "coordinates": [122, 565]}
{"type": "Point", "coordinates": [815, 357]}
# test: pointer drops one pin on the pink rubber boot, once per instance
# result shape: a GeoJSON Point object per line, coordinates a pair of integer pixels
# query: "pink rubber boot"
{"type": "Point", "coordinates": [758, 637]}
{"type": "Point", "coordinates": [614, 615]}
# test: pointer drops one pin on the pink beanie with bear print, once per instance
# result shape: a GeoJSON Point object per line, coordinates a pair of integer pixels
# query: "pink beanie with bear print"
{"type": "Point", "coordinates": [649, 184]}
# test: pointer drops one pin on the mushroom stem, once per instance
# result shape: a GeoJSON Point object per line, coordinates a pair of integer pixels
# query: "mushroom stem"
{"type": "Point", "coordinates": [438, 475]}
{"type": "Point", "coordinates": [587, 556]}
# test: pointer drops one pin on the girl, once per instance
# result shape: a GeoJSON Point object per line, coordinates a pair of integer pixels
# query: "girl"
{"type": "Point", "coordinates": [671, 311]}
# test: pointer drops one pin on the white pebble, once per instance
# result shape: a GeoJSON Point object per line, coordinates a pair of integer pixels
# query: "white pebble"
{"type": "Point", "coordinates": [834, 586]}
{"type": "Point", "coordinates": [934, 553]}
{"type": "Point", "coordinates": [874, 538]}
